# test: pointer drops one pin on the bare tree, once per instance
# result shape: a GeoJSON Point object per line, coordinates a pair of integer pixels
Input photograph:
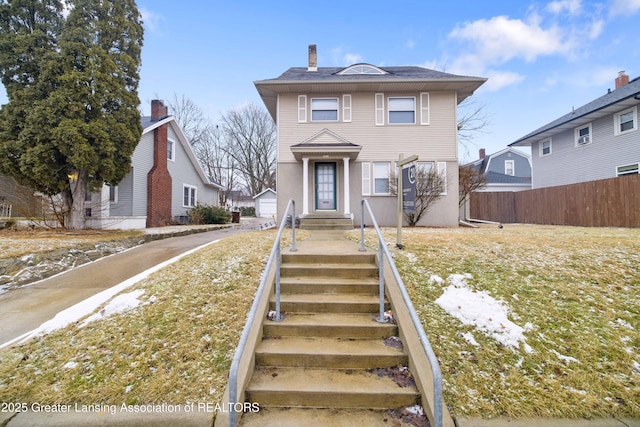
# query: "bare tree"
{"type": "Point", "coordinates": [213, 154]}
{"type": "Point", "coordinates": [470, 179]}
{"type": "Point", "coordinates": [472, 119]}
{"type": "Point", "coordinates": [251, 143]}
{"type": "Point", "coordinates": [430, 186]}
{"type": "Point", "coordinates": [191, 118]}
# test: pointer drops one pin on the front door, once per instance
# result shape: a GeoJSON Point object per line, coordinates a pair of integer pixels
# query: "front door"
{"type": "Point", "coordinates": [325, 186]}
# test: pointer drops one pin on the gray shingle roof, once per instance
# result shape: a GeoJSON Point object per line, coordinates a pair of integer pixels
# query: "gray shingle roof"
{"type": "Point", "coordinates": [602, 104]}
{"type": "Point", "coordinates": [331, 74]}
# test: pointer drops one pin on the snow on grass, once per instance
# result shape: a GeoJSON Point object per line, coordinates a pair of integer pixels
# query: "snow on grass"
{"type": "Point", "coordinates": [480, 310]}
{"type": "Point", "coordinates": [118, 304]}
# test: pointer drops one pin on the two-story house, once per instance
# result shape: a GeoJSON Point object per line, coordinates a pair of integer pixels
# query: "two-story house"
{"type": "Point", "coordinates": [505, 170]}
{"type": "Point", "coordinates": [599, 140]}
{"type": "Point", "coordinates": [341, 131]}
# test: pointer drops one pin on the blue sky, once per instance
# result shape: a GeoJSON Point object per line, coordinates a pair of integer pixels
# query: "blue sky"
{"type": "Point", "coordinates": [541, 57]}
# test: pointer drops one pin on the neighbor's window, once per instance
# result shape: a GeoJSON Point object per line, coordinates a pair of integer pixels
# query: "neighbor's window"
{"type": "Point", "coordinates": [324, 109]}
{"type": "Point", "coordinates": [509, 167]}
{"type": "Point", "coordinates": [113, 193]}
{"type": "Point", "coordinates": [545, 148]}
{"type": "Point", "coordinates": [381, 177]}
{"type": "Point", "coordinates": [626, 121]}
{"type": "Point", "coordinates": [189, 196]}
{"type": "Point", "coordinates": [627, 170]}
{"type": "Point", "coordinates": [402, 110]}
{"type": "Point", "coordinates": [583, 135]}
{"type": "Point", "coordinates": [171, 147]}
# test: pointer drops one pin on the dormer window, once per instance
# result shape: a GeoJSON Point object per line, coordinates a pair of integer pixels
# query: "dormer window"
{"type": "Point", "coordinates": [361, 69]}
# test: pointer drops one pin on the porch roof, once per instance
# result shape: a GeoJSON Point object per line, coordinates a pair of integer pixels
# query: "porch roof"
{"type": "Point", "coordinates": [325, 144]}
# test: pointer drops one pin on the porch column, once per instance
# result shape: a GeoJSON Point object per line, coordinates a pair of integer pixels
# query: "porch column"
{"type": "Point", "coordinates": [347, 208]}
{"type": "Point", "coordinates": [305, 186]}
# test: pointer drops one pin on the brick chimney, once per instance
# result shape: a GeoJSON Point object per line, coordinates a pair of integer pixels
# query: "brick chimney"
{"type": "Point", "coordinates": [483, 153]}
{"type": "Point", "coordinates": [622, 79]}
{"type": "Point", "coordinates": [313, 58]}
{"type": "Point", "coordinates": [158, 178]}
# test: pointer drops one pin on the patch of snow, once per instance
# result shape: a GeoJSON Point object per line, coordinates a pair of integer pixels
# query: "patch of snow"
{"type": "Point", "coordinates": [624, 323]}
{"type": "Point", "coordinates": [415, 409]}
{"type": "Point", "coordinates": [565, 358]}
{"type": "Point", "coordinates": [120, 303]}
{"type": "Point", "coordinates": [468, 337]}
{"type": "Point", "coordinates": [70, 365]}
{"type": "Point", "coordinates": [481, 310]}
{"type": "Point", "coordinates": [636, 367]}
{"type": "Point", "coordinates": [436, 279]}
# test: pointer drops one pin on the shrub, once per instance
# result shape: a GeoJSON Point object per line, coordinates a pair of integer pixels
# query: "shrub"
{"type": "Point", "coordinates": [247, 211]}
{"type": "Point", "coordinates": [206, 214]}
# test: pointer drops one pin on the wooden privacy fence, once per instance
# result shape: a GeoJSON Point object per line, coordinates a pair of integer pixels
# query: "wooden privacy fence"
{"type": "Point", "coordinates": [613, 202]}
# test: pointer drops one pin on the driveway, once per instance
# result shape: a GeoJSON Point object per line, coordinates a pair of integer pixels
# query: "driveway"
{"type": "Point", "coordinates": [23, 310]}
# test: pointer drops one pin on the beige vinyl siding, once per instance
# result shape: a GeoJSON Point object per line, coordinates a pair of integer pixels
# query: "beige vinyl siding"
{"type": "Point", "coordinates": [436, 141]}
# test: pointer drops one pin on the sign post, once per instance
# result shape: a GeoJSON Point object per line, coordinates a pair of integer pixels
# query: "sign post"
{"type": "Point", "coordinates": [399, 174]}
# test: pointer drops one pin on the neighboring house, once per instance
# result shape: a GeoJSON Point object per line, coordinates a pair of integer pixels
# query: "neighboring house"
{"type": "Point", "coordinates": [265, 203]}
{"type": "Point", "coordinates": [341, 130]}
{"type": "Point", "coordinates": [506, 170]}
{"type": "Point", "coordinates": [596, 141]}
{"type": "Point", "coordinates": [165, 180]}
{"type": "Point", "coordinates": [237, 199]}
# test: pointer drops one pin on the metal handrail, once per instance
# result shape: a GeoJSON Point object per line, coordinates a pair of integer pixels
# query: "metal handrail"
{"type": "Point", "coordinates": [275, 254]}
{"type": "Point", "coordinates": [426, 345]}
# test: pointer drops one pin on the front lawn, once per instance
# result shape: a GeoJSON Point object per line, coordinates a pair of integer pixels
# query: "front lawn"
{"type": "Point", "coordinates": [573, 291]}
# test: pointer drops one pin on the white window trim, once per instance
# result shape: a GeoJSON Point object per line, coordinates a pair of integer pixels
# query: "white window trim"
{"type": "Point", "coordinates": [366, 178]}
{"type": "Point", "coordinates": [195, 195]}
{"type": "Point", "coordinates": [415, 112]}
{"type": "Point", "coordinates": [637, 165]}
{"type": "Point", "coordinates": [578, 138]}
{"type": "Point", "coordinates": [513, 167]}
{"type": "Point", "coordinates": [424, 108]}
{"type": "Point", "coordinates": [302, 108]}
{"type": "Point", "coordinates": [616, 121]}
{"type": "Point", "coordinates": [388, 177]}
{"type": "Point", "coordinates": [550, 147]}
{"type": "Point", "coordinates": [346, 108]}
{"type": "Point", "coordinates": [337, 109]}
{"type": "Point", "coordinates": [171, 158]}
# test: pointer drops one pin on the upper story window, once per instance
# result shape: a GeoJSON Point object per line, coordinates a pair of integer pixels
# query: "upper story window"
{"type": "Point", "coordinates": [510, 167]}
{"type": "Point", "coordinates": [362, 69]}
{"type": "Point", "coordinates": [402, 110]}
{"type": "Point", "coordinates": [545, 148]}
{"type": "Point", "coordinates": [324, 109]}
{"type": "Point", "coordinates": [626, 121]}
{"type": "Point", "coordinates": [171, 150]}
{"type": "Point", "coordinates": [583, 135]}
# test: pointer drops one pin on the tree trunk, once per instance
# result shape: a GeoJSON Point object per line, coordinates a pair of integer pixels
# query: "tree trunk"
{"type": "Point", "coordinates": [74, 218]}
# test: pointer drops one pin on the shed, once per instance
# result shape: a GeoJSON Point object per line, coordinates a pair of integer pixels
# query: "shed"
{"type": "Point", "coordinates": [266, 204]}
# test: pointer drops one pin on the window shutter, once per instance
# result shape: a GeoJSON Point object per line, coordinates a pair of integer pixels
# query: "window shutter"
{"type": "Point", "coordinates": [302, 108]}
{"type": "Point", "coordinates": [366, 179]}
{"type": "Point", "coordinates": [442, 171]}
{"type": "Point", "coordinates": [379, 109]}
{"type": "Point", "coordinates": [424, 108]}
{"type": "Point", "coordinates": [346, 108]}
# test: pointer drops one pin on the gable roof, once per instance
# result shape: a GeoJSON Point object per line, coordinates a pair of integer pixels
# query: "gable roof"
{"type": "Point", "coordinates": [149, 125]}
{"type": "Point", "coordinates": [614, 101]}
{"type": "Point", "coordinates": [483, 164]}
{"type": "Point", "coordinates": [328, 80]}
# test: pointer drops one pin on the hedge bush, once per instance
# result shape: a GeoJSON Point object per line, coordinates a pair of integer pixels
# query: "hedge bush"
{"type": "Point", "coordinates": [206, 214]}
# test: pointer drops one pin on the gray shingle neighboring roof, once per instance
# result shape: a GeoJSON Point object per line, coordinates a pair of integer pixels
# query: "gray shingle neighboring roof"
{"type": "Point", "coordinates": [331, 74]}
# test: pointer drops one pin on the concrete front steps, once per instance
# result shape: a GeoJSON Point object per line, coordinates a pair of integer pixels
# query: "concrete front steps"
{"type": "Point", "coordinates": [326, 221]}
{"type": "Point", "coordinates": [316, 366]}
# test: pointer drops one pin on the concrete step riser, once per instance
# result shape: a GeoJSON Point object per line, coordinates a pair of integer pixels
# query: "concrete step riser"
{"type": "Point", "coordinates": [320, 399]}
{"type": "Point", "coordinates": [329, 259]}
{"type": "Point", "coordinates": [327, 227]}
{"type": "Point", "coordinates": [342, 272]}
{"type": "Point", "coordinates": [316, 288]}
{"type": "Point", "coordinates": [278, 329]}
{"type": "Point", "coordinates": [328, 307]}
{"type": "Point", "coordinates": [330, 361]}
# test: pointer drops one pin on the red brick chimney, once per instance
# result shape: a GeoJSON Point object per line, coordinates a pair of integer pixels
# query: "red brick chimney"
{"type": "Point", "coordinates": [483, 153]}
{"type": "Point", "coordinates": [158, 178]}
{"type": "Point", "coordinates": [622, 79]}
{"type": "Point", "coordinates": [313, 58]}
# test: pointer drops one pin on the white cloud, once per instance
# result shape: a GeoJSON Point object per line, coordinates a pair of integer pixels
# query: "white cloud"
{"type": "Point", "coordinates": [560, 6]}
{"type": "Point", "coordinates": [597, 27]}
{"type": "Point", "coordinates": [340, 56]}
{"type": "Point", "coordinates": [150, 19]}
{"type": "Point", "coordinates": [624, 7]}
{"type": "Point", "coordinates": [410, 44]}
{"type": "Point", "coordinates": [499, 79]}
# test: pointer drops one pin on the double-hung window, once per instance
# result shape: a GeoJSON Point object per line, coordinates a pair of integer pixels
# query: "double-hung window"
{"type": "Point", "coordinates": [189, 196]}
{"type": "Point", "coordinates": [583, 135]}
{"type": "Point", "coordinates": [171, 150]}
{"type": "Point", "coordinates": [324, 109]}
{"type": "Point", "coordinates": [402, 110]}
{"type": "Point", "coordinates": [626, 121]}
{"type": "Point", "coordinates": [509, 167]}
{"type": "Point", "coordinates": [545, 148]}
{"type": "Point", "coordinates": [381, 174]}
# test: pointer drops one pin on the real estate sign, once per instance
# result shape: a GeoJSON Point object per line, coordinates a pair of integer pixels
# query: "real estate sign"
{"type": "Point", "coordinates": [409, 189]}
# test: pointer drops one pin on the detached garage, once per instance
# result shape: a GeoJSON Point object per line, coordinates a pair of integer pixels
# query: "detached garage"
{"type": "Point", "coordinates": [266, 204]}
